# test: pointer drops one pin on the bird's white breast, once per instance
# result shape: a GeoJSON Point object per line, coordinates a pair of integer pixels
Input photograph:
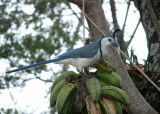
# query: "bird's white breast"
{"type": "Point", "coordinates": [80, 63]}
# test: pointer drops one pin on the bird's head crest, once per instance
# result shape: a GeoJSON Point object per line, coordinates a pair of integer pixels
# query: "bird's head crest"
{"type": "Point", "coordinates": [113, 35]}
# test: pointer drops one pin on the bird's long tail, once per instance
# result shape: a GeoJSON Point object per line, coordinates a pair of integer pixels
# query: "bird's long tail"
{"type": "Point", "coordinates": [34, 65]}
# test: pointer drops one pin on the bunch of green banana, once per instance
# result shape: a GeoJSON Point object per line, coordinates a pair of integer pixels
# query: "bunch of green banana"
{"type": "Point", "coordinates": [103, 94]}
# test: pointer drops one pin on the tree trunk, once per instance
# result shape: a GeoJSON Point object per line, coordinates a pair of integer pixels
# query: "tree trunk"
{"type": "Point", "coordinates": [150, 17]}
{"type": "Point", "coordinates": [94, 10]}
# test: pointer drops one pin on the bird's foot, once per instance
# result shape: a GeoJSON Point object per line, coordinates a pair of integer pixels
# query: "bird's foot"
{"type": "Point", "coordinates": [87, 76]}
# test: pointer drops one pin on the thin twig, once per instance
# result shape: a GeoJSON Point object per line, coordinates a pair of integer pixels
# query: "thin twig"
{"type": "Point", "coordinates": [94, 24]}
{"type": "Point", "coordinates": [25, 80]}
{"type": "Point", "coordinates": [126, 15]}
{"type": "Point", "coordinates": [128, 43]}
{"type": "Point", "coordinates": [37, 77]}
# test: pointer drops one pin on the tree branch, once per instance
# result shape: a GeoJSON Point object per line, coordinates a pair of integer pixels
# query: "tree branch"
{"type": "Point", "coordinates": [114, 16]}
{"type": "Point", "coordinates": [37, 77]}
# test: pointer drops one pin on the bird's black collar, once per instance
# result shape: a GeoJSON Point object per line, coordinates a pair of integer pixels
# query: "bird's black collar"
{"type": "Point", "coordinates": [100, 48]}
{"type": "Point", "coordinates": [101, 55]}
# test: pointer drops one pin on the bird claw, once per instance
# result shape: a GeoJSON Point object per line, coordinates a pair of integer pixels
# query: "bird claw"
{"type": "Point", "coordinates": [89, 76]}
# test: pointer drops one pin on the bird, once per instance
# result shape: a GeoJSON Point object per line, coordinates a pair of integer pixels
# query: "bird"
{"type": "Point", "coordinates": [81, 57]}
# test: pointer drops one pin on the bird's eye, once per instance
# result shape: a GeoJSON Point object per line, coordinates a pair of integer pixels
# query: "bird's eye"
{"type": "Point", "coordinates": [109, 39]}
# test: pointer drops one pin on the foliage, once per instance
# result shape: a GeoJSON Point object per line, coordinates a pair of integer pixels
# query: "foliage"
{"type": "Point", "coordinates": [9, 111]}
{"type": "Point", "coordinates": [32, 31]}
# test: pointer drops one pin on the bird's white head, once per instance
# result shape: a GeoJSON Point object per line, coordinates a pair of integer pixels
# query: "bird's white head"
{"type": "Point", "coordinates": [104, 43]}
{"type": "Point", "coordinates": [107, 41]}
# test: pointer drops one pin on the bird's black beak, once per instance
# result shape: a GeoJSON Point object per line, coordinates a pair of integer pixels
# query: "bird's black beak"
{"type": "Point", "coordinates": [115, 44]}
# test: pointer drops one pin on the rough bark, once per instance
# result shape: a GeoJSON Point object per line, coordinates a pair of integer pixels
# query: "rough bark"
{"type": "Point", "coordinates": [94, 10]}
{"type": "Point", "coordinates": [150, 17]}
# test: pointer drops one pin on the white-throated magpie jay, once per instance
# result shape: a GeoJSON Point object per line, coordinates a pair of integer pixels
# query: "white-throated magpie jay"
{"type": "Point", "coordinates": [81, 57]}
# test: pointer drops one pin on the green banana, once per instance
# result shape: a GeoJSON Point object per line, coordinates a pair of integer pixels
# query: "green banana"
{"type": "Point", "coordinates": [69, 106]}
{"type": "Point", "coordinates": [55, 92]}
{"type": "Point", "coordinates": [118, 107]}
{"type": "Point", "coordinates": [110, 78]}
{"type": "Point", "coordinates": [110, 66]}
{"type": "Point", "coordinates": [101, 66]}
{"type": "Point", "coordinates": [92, 108]}
{"type": "Point", "coordinates": [94, 88]}
{"type": "Point", "coordinates": [102, 82]}
{"type": "Point", "coordinates": [115, 93]}
{"type": "Point", "coordinates": [108, 106]}
{"type": "Point", "coordinates": [64, 96]}
{"type": "Point", "coordinates": [61, 77]}
{"type": "Point", "coordinates": [104, 65]}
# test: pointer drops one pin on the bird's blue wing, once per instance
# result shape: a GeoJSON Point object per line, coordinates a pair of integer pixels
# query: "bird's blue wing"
{"type": "Point", "coordinates": [86, 51]}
